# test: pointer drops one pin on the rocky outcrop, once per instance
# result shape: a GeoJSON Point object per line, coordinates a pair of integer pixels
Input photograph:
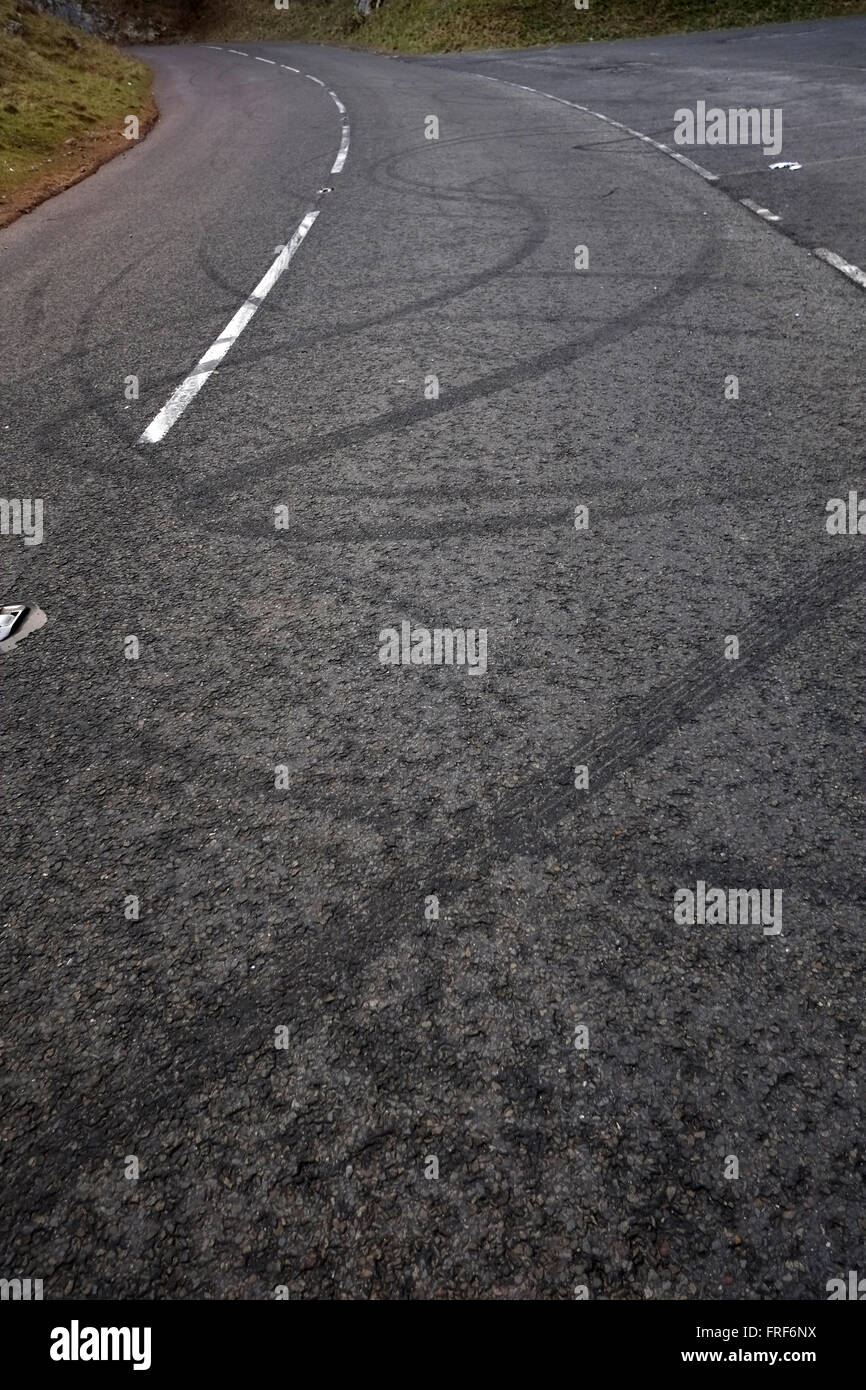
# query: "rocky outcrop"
{"type": "Point", "coordinates": [92, 19]}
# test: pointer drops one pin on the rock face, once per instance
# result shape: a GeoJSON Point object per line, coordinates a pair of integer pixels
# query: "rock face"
{"type": "Point", "coordinates": [92, 19]}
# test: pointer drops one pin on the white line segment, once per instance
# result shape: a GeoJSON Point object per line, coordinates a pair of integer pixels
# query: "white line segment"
{"type": "Point", "coordinates": [852, 271]}
{"type": "Point", "coordinates": [608, 120]}
{"type": "Point", "coordinates": [343, 150]}
{"type": "Point", "coordinates": [759, 211]}
{"type": "Point", "coordinates": [191, 385]}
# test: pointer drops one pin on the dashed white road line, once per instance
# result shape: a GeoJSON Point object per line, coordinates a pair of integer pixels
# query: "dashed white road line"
{"type": "Point", "coordinates": [344, 138]}
{"type": "Point", "coordinates": [608, 120]}
{"type": "Point", "coordinates": [191, 385]}
{"type": "Point", "coordinates": [342, 151]}
{"type": "Point", "coordinates": [852, 271]}
{"type": "Point", "coordinates": [759, 211]}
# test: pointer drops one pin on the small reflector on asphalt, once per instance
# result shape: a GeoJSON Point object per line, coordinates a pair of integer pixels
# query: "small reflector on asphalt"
{"type": "Point", "coordinates": [10, 615]}
{"type": "Point", "coordinates": [17, 621]}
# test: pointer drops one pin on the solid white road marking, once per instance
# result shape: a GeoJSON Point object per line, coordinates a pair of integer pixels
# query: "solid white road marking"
{"type": "Point", "coordinates": [759, 211]}
{"type": "Point", "coordinates": [852, 271]}
{"type": "Point", "coordinates": [608, 120]}
{"type": "Point", "coordinates": [191, 385]}
{"type": "Point", "coordinates": [337, 102]}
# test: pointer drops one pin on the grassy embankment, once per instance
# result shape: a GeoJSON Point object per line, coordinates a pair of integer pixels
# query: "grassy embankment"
{"type": "Point", "coordinates": [64, 97]}
{"type": "Point", "coordinates": [441, 26]}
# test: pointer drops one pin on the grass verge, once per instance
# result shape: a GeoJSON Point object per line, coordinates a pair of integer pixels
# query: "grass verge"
{"type": "Point", "coordinates": [442, 26]}
{"type": "Point", "coordinates": [64, 97]}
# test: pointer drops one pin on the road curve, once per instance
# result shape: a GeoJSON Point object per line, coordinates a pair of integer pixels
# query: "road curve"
{"type": "Point", "coordinates": [221, 953]}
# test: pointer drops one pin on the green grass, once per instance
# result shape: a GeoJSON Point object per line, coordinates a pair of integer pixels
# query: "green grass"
{"type": "Point", "coordinates": [441, 26]}
{"type": "Point", "coordinates": [58, 87]}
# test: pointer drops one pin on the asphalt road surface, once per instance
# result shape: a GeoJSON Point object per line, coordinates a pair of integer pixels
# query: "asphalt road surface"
{"type": "Point", "coordinates": [814, 73]}
{"type": "Point", "coordinates": [222, 969]}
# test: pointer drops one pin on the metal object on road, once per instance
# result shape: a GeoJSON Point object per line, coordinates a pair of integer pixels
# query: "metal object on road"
{"type": "Point", "coordinates": [10, 616]}
{"type": "Point", "coordinates": [17, 621]}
